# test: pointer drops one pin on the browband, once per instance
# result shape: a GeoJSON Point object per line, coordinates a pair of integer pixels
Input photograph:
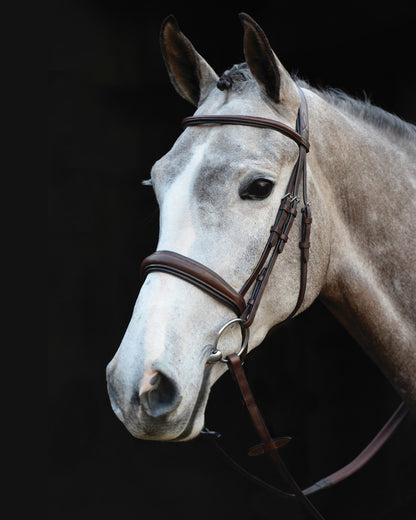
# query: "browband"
{"type": "Point", "coordinates": [259, 122]}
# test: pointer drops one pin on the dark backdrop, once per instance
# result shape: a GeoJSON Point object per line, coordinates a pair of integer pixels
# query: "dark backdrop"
{"type": "Point", "coordinates": [112, 113]}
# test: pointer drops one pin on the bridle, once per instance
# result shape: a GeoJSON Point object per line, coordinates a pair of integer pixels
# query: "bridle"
{"type": "Point", "coordinates": [209, 281]}
{"type": "Point", "coordinates": [246, 308]}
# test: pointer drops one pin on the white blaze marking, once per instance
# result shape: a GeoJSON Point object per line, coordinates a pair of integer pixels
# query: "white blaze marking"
{"type": "Point", "coordinates": [176, 233]}
{"type": "Point", "coordinates": [176, 230]}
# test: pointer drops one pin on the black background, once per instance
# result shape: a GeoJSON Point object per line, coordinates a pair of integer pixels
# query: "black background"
{"type": "Point", "coordinates": [112, 113]}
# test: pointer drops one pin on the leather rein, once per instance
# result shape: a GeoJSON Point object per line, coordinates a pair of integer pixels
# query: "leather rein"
{"type": "Point", "coordinates": [246, 308]}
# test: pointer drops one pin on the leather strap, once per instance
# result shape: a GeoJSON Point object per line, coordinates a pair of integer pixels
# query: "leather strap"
{"type": "Point", "coordinates": [364, 456]}
{"type": "Point", "coordinates": [271, 446]}
{"type": "Point", "coordinates": [304, 245]}
{"type": "Point", "coordinates": [279, 231]}
{"type": "Point", "coordinates": [259, 122]}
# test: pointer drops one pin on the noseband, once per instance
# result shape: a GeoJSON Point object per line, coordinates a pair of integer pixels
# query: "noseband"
{"type": "Point", "coordinates": [245, 309]}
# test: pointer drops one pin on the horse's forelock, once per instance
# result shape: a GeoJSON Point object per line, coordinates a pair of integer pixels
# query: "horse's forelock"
{"type": "Point", "coordinates": [235, 75]}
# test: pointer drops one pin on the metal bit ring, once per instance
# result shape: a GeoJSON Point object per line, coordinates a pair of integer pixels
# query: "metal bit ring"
{"type": "Point", "coordinates": [216, 355]}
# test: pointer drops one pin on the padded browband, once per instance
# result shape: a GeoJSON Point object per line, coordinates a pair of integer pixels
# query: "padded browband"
{"type": "Point", "coordinates": [197, 274]}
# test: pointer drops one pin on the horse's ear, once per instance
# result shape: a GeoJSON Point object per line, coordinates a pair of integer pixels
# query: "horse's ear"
{"type": "Point", "coordinates": [189, 73]}
{"type": "Point", "coordinates": [263, 63]}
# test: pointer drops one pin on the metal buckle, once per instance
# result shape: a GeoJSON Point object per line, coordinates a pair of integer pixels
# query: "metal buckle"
{"type": "Point", "coordinates": [216, 355]}
{"type": "Point", "coordinates": [292, 197]}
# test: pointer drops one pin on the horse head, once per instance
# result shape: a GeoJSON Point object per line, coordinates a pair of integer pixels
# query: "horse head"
{"type": "Point", "coordinates": [218, 190]}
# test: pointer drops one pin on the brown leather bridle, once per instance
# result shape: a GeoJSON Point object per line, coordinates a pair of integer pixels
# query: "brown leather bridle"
{"type": "Point", "coordinates": [209, 281]}
{"type": "Point", "coordinates": [213, 284]}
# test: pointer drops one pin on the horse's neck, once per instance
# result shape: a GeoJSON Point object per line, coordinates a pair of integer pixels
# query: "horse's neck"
{"type": "Point", "coordinates": [370, 190]}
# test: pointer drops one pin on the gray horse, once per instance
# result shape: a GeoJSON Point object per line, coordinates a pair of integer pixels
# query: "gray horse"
{"type": "Point", "coordinates": [218, 189]}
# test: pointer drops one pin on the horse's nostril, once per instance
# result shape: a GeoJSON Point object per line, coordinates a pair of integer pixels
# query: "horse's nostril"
{"type": "Point", "coordinates": [162, 398]}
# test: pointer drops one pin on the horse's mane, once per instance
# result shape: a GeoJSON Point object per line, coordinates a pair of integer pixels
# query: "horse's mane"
{"type": "Point", "coordinates": [363, 109]}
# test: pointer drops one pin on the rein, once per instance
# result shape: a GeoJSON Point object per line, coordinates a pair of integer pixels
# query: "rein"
{"type": "Point", "coordinates": [213, 284]}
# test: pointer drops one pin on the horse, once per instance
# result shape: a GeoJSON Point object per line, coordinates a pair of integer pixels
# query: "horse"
{"type": "Point", "coordinates": [218, 190]}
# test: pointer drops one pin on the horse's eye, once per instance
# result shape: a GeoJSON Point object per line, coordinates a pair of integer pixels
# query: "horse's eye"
{"type": "Point", "coordinates": [257, 189]}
